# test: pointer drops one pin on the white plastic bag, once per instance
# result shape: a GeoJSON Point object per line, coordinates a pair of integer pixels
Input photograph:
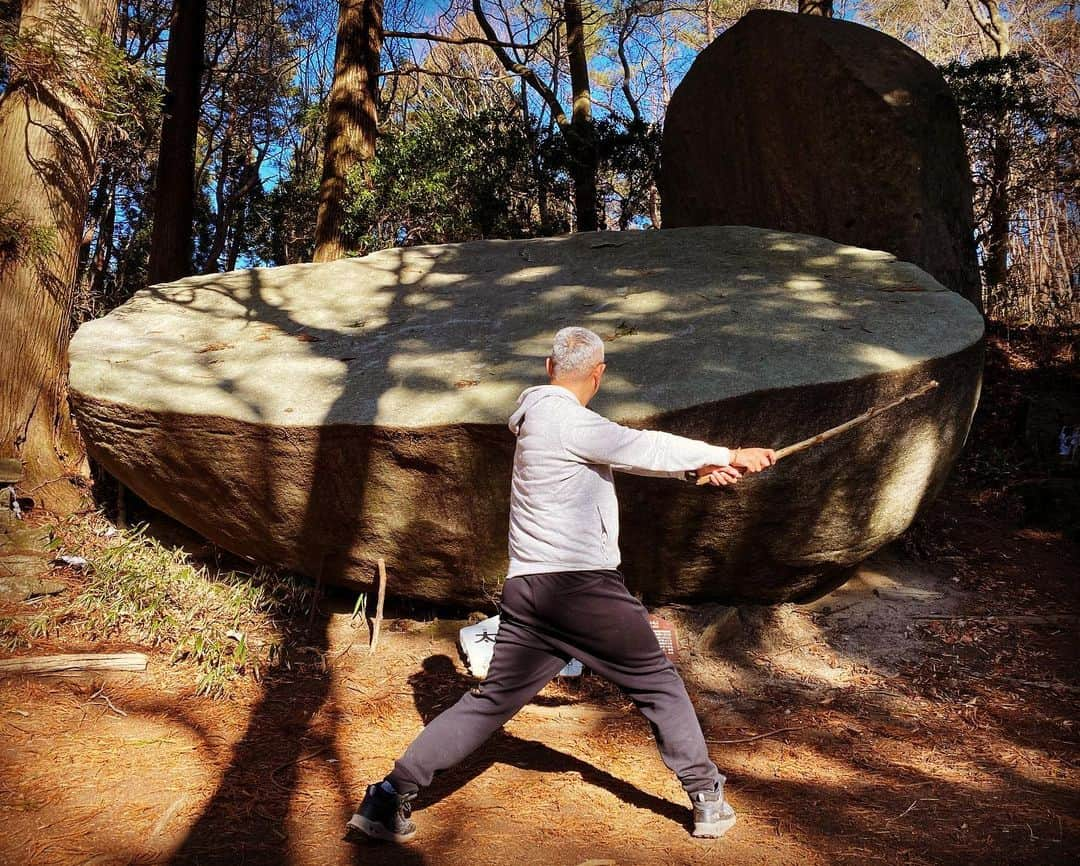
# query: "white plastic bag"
{"type": "Point", "coordinates": [478, 644]}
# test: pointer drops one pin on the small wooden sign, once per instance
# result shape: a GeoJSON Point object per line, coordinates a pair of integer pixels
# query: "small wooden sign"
{"type": "Point", "coordinates": [665, 635]}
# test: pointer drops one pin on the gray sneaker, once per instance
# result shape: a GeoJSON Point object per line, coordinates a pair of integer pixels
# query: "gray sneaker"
{"type": "Point", "coordinates": [713, 815]}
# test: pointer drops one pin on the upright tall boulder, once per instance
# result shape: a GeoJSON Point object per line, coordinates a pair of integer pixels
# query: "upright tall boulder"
{"type": "Point", "coordinates": [823, 126]}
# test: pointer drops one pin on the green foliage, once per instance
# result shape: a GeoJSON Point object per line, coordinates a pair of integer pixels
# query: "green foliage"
{"type": "Point", "coordinates": [9, 22]}
{"type": "Point", "coordinates": [360, 608]}
{"type": "Point", "coordinates": [286, 232]}
{"type": "Point", "coordinates": [1006, 96]}
{"type": "Point", "coordinates": [78, 72]}
{"type": "Point", "coordinates": [1027, 152]}
{"type": "Point", "coordinates": [445, 178]}
{"type": "Point", "coordinates": [990, 86]}
{"type": "Point", "coordinates": [629, 167]}
{"type": "Point", "coordinates": [83, 63]}
{"type": "Point", "coordinates": [226, 625]}
{"type": "Point", "coordinates": [21, 241]}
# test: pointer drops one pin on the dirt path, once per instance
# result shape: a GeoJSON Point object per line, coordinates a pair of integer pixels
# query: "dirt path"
{"type": "Point", "coordinates": [899, 740]}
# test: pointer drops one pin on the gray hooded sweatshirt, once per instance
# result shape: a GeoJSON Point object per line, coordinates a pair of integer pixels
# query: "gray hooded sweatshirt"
{"type": "Point", "coordinates": [563, 512]}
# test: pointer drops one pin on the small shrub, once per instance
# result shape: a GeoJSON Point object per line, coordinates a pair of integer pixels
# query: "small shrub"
{"type": "Point", "coordinates": [227, 624]}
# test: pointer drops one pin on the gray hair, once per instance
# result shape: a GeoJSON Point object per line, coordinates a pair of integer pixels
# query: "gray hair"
{"type": "Point", "coordinates": [576, 351]}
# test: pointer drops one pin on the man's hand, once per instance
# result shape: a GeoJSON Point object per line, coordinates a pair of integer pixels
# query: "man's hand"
{"type": "Point", "coordinates": [753, 459]}
{"type": "Point", "coordinates": [718, 476]}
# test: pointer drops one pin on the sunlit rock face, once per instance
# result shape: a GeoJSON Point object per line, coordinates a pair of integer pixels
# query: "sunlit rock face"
{"type": "Point", "coordinates": [824, 126]}
{"type": "Point", "coordinates": [320, 416]}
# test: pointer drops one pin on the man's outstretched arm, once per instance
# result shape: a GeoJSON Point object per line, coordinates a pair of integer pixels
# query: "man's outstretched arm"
{"type": "Point", "coordinates": [595, 439]}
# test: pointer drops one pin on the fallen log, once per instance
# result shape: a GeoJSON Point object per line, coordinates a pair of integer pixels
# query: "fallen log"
{"type": "Point", "coordinates": [61, 665]}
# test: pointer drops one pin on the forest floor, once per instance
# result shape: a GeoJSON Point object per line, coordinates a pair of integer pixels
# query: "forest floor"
{"type": "Point", "coordinates": [925, 712]}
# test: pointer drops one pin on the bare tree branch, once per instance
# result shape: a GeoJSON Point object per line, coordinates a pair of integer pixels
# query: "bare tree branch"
{"type": "Point", "coordinates": [406, 71]}
{"type": "Point", "coordinates": [459, 40]}
{"type": "Point", "coordinates": [526, 72]}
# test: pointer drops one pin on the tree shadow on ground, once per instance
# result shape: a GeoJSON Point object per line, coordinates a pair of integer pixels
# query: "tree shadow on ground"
{"type": "Point", "coordinates": [946, 761]}
{"type": "Point", "coordinates": [438, 685]}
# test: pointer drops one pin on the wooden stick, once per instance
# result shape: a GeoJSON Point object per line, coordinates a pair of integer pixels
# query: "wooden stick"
{"type": "Point", "coordinates": [377, 624]}
{"type": "Point", "coordinates": [854, 422]}
{"type": "Point", "coordinates": [832, 432]}
{"type": "Point", "coordinates": [73, 663]}
{"type": "Point", "coordinates": [755, 737]}
{"type": "Point", "coordinates": [100, 693]}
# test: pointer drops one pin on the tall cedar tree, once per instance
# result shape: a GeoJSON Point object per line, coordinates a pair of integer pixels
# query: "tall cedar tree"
{"type": "Point", "coordinates": [351, 116]}
{"type": "Point", "coordinates": [48, 153]}
{"type": "Point", "coordinates": [174, 192]}
{"type": "Point", "coordinates": [582, 133]}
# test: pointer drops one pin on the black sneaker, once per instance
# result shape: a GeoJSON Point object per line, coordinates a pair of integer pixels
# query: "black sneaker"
{"type": "Point", "coordinates": [713, 815]}
{"type": "Point", "coordinates": [383, 815]}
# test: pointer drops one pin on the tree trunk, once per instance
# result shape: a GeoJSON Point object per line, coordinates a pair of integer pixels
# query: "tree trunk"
{"type": "Point", "coordinates": [236, 239]}
{"type": "Point", "coordinates": [582, 140]}
{"type": "Point", "coordinates": [222, 202]}
{"type": "Point", "coordinates": [93, 218]}
{"type": "Point", "coordinates": [99, 265]}
{"type": "Point", "coordinates": [48, 152]}
{"type": "Point", "coordinates": [94, 272]}
{"type": "Point", "coordinates": [996, 29]}
{"type": "Point", "coordinates": [816, 7]}
{"type": "Point", "coordinates": [997, 234]}
{"type": "Point", "coordinates": [665, 79]}
{"type": "Point", "coordinates": [628, 93]}
{"type": "Point", "coordinates": [174, 192]}
{"type": "Point", "coordinates": [351, 117]}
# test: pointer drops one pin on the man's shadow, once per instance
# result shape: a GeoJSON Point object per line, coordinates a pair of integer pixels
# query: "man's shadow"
{"type": "Point", "coordinates": [439, 684]}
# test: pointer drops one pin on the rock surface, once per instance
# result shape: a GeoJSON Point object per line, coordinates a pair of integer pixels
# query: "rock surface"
{"type": "Point", "coordinates": [319, 416]}
{"type": "Point", "coordinates": [823, 126]}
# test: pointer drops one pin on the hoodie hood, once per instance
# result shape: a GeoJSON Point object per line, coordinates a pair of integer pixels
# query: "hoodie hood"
{"type": "Point", "coordinates": [530, 397]}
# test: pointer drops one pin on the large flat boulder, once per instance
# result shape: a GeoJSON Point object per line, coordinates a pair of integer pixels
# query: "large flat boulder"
{"type": "Point", "coordinates": [818, 125]}
{"type": "Point", "coordinates": [319, 416]}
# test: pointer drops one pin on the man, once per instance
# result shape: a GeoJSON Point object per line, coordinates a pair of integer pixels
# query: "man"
{"type": "Point", "coordinates": [564, 597]}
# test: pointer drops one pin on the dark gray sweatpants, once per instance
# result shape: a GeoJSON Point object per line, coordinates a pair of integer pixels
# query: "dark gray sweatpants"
{"type": "Point", "coordinates": [546, 619]}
